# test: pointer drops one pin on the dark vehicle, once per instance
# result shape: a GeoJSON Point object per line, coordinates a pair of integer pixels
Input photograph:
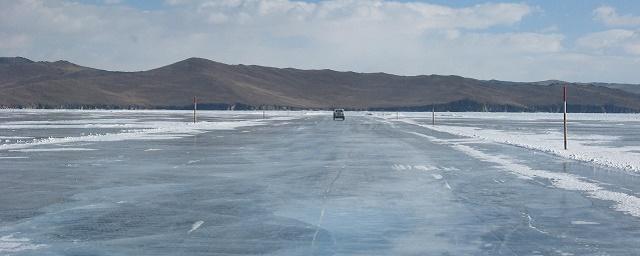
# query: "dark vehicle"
{"type": "Point", "coordinates": [338, 114]}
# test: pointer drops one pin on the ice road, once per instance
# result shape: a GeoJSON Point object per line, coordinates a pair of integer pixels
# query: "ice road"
{"type": "Point", "coordinates": [296, 183]}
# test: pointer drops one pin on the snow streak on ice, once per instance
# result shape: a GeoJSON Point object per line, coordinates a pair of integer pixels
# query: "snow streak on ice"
{"type": "Point", "coordinates": [623, 202]}
{"type": "Point", "coordinates": [153, 131]}
{"type": "Point", "coordinates": [582, 148]}
{"type": "Point", "coordinates": [10, 244]}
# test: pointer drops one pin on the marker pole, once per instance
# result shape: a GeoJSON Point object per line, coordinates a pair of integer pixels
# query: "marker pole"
{"type": "Point", "coordinates": [195, 107]}
{"type": "Point", "coordinates": [564, 97]}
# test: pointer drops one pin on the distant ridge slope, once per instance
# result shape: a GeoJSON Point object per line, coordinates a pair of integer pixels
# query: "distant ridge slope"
{"type": "Point", "coordinates": [61, 84]}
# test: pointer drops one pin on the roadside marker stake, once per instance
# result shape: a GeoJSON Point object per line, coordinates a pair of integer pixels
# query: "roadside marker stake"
{"type": "Point", "coordinates": [195, 107]}
{"type": "Point", "coordinates": [564, 98]}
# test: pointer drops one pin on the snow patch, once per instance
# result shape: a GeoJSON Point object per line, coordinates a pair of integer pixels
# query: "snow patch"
{"type": "Point", "coordinates": [408, 167]}
{"type": "Point", "coordinates": [15, 137]}
{"type": "Point", "coordinates": [424, 168]}
{"type": "Point", "coordinates": [195, 226]}
{"type": "Point", "coordinates": [51, 149]}
{"type": "Point", "coordinates": [10, 244]}
{"type": "Point", "coordinates": [401, 167]}
{"type": "Point", "coordinates": [581, 222]}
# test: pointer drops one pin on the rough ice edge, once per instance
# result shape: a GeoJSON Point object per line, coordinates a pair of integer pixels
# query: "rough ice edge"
{"type": "Point", "coordinates": [597, 155]}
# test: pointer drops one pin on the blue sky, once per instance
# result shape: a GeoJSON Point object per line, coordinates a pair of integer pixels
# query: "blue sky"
{"type": "Point", "coordinates": [570, 40]}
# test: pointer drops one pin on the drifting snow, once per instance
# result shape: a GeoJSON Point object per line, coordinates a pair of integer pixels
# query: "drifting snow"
{"type": "Point", "coordinates": [146, 131]}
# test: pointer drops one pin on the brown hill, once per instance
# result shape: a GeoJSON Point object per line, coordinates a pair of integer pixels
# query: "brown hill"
{"type": "Point", "coordinates": [25, 83]}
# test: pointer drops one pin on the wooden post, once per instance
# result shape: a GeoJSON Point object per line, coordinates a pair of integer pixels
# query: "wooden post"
{"type": "Point", "coordinates": [397, 115]}
{"type": "Point", "coordinates": [195, 107]}
{"type": "Point", "coordinates": [564, 98]}
{"type": "Point", "coordinates": [263, 116]}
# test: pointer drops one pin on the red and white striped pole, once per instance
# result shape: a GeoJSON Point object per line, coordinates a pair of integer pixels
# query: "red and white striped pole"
{"type": "Point", "coordinates": [195, 107]}
{"type": "Point", "coordinates": [564, 98]}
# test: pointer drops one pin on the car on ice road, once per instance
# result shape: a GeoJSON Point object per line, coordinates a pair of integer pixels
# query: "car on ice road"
{"type": "Point", "coordinates": [338, 114]}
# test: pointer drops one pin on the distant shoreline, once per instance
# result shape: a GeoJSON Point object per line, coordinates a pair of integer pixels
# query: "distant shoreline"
{"type": "Point", "coordinates": [449, 107]}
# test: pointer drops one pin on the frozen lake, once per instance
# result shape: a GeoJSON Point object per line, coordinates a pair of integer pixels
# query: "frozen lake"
{"type": "Point", "coordinates": [298, 183]}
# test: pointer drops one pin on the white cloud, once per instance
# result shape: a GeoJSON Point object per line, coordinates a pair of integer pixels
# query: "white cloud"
{"type": "Point", "coordinates": [614, 41]}
{"type": "Point", "coordinates": [360, 35]}
{"type": "Point", "coordinates": [413, 15]}
{"type": "Point", "coordinates": [13, 41]}
{"type": "Point", "coordinates": [112, 1]}
{"type": "Point", "coordinates": [609, 16]}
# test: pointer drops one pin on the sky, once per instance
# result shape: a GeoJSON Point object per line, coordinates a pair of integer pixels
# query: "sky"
{"type": "Point", "coordinates": [570, 40]}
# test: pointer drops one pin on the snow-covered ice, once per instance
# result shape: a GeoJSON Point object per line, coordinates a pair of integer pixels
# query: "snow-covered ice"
{"type": "Point", "coordinates": [125, 128]}
{"type": "Point", "coordinates": [51, 149]}
{"type": "Point", "coordinates": [299, 183]}
{"type": "Point", "coordinates": [11, 244]}
{"type": "Point", "coordinates": [597, 138]}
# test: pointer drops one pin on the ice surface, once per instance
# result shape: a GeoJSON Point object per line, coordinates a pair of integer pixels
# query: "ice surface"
{"type": "Point", "coordinates": [301, 184]}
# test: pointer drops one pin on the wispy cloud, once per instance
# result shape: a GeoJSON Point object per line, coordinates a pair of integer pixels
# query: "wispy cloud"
{"type": "Point", "coordinates": [614, 41]}
{"type": "Point", "coordinates": [609, 16]}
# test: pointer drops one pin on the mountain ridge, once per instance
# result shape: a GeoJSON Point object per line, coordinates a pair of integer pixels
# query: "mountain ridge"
{"type": "Point", "coordinates": [62, 84]}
